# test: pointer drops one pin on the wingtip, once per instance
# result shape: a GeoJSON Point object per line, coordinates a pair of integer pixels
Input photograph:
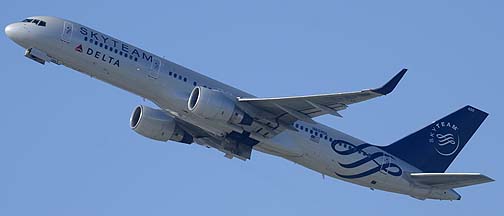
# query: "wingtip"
{"type": "Point", "coordinates": [391, 84]}
{"type": "Point", "coordinates": [488, 178]}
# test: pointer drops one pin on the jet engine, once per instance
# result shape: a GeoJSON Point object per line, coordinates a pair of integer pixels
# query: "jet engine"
{"type": "Point", "coordinates": [155, 124]}
{"type": "Point", "coordinates": [215, 105]}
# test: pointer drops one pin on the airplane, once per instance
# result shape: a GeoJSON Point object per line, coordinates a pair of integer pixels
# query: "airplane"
{"type": "Point", "coordinates": [194, 108]}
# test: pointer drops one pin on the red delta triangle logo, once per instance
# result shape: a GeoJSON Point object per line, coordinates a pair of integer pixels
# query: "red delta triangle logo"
{"type": "Point", "coordinates": [78, 48]}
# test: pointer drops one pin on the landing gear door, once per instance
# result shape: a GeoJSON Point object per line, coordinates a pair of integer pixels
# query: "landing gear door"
{"type": "Point", "coordinates": [66, 35]}
{"type": "Point", "coordinates": [155, 68]}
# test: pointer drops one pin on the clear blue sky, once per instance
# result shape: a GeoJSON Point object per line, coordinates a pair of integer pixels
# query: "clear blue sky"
{"type": "Point", "coordinates": [66, 147]}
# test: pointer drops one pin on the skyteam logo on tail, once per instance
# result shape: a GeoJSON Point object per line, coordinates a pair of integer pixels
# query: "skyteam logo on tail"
{"type": "Point", "coordinates": [444, 136]}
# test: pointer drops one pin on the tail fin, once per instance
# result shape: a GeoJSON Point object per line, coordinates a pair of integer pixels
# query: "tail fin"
{"type": "Point", "coordinates": [433, 148]}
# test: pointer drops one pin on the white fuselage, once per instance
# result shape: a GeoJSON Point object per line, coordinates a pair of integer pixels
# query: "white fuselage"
{"type": "Point", "coordinates": [169, 85]}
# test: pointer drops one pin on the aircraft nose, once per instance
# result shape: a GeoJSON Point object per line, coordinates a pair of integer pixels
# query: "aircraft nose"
{"type": "Point", "coordinates": [13, 31]}
{"type": "Point", "coordinates": [10, 31]}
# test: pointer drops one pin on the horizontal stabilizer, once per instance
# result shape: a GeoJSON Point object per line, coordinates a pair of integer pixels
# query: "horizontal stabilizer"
{"type": "Point", "coordinates": [449, 180]}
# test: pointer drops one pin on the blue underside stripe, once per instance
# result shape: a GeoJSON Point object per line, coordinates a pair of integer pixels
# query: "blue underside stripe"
{"type": "Point", "coordinates": [362, 161]}
{"type": "Point", "coordinates": [369, 172]}
{"type": "Point", "coordinates": [384, 167]}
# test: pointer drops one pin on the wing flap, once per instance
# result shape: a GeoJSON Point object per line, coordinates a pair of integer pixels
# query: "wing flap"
{"type": "Point", "coordinates": [449, 180]}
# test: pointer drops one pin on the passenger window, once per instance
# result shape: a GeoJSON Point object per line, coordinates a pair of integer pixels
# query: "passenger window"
{"type": "Point", "coordinates": [195, 83]}
{"type": "Point", "coordinates": [185, 79]}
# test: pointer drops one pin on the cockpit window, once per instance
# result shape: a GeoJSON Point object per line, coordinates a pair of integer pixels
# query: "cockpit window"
{"type": "Point", "coordinates": [36, 21]}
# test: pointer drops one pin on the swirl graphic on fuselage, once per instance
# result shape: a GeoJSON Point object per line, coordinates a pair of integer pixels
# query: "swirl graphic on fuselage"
{"type": "Point", "coordinates": [385, 166]}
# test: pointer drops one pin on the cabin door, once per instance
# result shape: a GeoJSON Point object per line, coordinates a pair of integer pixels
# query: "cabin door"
{"type": "Point", "coordinates": [155, 68]}
{"type": "Point", "coordinates": [66, 36]}
{"type": "Point", "coordinates": [385, 163]}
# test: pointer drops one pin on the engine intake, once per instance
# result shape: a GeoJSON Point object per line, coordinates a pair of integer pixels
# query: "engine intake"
{"type": "Point", "coordinates": [215, 105]}
{"type": "Point", "coordinates": [155, 124]}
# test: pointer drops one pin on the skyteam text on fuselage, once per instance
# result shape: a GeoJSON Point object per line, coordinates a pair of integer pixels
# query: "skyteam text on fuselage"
{"type": "Point", "coordinates": [196, 109]}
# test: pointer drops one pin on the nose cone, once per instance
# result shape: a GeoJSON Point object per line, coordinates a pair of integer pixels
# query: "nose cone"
{"type": "Point", "coordinates": [10, 31]}
{"type": "Point", "coordinates": [15, 33]}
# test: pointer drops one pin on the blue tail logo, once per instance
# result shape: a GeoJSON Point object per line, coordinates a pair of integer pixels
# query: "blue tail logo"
{"type": "Point", "coordinates": [445, 136]}
{"type": "Point", "coordinates": [433, 148]}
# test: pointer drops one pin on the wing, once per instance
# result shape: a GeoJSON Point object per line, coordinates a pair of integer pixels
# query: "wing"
{"type": "Point", "coordinates": [291, 109]}
{"type": "Point", "coordinates": [449, 180]}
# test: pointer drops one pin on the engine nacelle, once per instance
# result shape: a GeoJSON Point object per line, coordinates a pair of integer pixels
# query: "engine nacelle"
{"type": "Point", "coordinates": [155, 124]}
{"type": "Point", "coordinates": [213, 104]}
